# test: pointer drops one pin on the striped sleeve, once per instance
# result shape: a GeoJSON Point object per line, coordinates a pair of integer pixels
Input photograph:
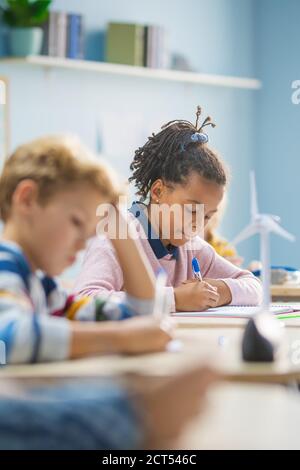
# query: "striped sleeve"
{"type": "Point", "coordinates": [82, 308]}
{"type": "Point", "coordinates": [98, 308]}
{"type": "Point", "coordinates": [26, 335]}
{"type": "Point", "coordinates": [109, 308]}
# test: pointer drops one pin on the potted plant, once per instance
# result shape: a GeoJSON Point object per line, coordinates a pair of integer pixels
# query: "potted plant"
{"type": "Point", "coordinates": [25, 19]}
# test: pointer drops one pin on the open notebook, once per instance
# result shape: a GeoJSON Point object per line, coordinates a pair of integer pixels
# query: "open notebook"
{"type": "Point", "coordinates": [233, 311]}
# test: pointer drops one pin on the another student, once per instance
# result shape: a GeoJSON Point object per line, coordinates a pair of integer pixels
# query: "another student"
{"type": "Point", "coordinates": [175, 168]}
{"type": "Point", "coordinates": [49, 193]}
{"type": "Point", "coordinates": [101, 414]}
{"type": "Point", "coordinates": [220, 245]}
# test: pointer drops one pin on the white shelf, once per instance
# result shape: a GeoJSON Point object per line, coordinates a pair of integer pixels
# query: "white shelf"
{"type": "Point", "coordinates": [142, 72]}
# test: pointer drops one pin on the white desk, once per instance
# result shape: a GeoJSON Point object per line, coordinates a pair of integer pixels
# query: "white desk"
{"type": "Point", "coordinates": [246, 417]}
{"type": "Point", "coordinates": [219, 347]}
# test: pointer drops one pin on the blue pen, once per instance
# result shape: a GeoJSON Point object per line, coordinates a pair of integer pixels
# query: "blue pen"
{"type": "Point", "coordinates": [196, 269]}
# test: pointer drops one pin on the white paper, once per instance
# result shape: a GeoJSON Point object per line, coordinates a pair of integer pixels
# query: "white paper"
{"type": "Point", "coordinates": [233, 311]}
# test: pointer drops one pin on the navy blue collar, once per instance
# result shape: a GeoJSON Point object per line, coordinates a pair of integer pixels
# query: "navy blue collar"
{"type": "Point", "coordinates": [138, 209]}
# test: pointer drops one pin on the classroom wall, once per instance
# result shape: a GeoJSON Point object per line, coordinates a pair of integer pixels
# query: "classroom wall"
{"type": "Point", "coordinates": [116, 114]}
{"type": "Point", "coordinates": [277, 147]}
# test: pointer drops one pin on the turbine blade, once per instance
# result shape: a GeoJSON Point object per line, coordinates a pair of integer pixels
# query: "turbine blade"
{"type": "Point", "coordinates": [275, 228]}
{"type": "Point", "coordinates": [247, 232]}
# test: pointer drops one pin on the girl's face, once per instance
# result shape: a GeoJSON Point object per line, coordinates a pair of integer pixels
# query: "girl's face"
{"type": "Point", "coordinates": [183, 210]}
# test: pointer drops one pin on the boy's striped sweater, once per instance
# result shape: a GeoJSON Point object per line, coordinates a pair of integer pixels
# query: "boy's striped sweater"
{"type": "Point", "coordinates": [35, 313]}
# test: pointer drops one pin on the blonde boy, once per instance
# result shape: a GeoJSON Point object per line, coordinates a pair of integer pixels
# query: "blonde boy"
{"type": "Point", "coordinates": [49, 192]}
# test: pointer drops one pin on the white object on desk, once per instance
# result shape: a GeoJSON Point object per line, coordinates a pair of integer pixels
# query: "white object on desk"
{"type": "Point", "coordinates": [160, 307]}
{"type": "Point", "coordinates": [175, 346]}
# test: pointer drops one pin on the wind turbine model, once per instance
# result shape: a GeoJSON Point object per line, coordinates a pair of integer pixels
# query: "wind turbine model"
{"type": "Point", "coordinates": [264, 224]}
{"type": "Point", "coordinates": [261, 326]}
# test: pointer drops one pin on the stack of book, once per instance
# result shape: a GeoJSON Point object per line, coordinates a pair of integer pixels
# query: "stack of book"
{"type": "Point", "coordinates": [64, 35]}
{"type": "Point", "coordinates": [135, 44]}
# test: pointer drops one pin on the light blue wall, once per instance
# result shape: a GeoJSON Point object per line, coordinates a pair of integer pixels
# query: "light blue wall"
{"type": "Point", "coordinates": [277, 152]}
{"type": "Point", "coordinates": [216, 36]}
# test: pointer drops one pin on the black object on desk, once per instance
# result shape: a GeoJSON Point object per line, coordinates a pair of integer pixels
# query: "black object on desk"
{"type": "Point", "coordinates": [262, 338]}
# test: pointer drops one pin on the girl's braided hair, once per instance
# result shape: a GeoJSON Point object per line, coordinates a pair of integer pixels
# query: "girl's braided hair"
{"type": "Point", "coordinates": [171, 155]}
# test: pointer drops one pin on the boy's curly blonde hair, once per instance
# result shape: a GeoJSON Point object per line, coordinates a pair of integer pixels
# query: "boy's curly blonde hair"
{"type": "Point", "coordinates": [55, 164]}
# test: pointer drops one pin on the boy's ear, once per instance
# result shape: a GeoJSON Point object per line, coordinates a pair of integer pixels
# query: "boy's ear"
{"type": "Point", "coordinates": [25, 195]}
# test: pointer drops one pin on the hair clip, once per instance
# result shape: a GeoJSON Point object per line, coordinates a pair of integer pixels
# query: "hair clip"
{"type": "Point", "coordinates": [199, 137]}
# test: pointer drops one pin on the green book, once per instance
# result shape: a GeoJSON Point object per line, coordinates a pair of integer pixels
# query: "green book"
{"type": "Point", "coordinates": [125, 44]}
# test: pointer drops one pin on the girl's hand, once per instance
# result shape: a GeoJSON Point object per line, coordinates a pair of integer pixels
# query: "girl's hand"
{"type": "Point", "coordinates": [221, 287]}
{"type": "Point", "coordinates": [195, 296]}
{"type": "Point", "coordinates": [223, 291]}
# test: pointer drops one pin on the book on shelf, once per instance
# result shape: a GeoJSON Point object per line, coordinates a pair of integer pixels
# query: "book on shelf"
{"type": "Point", "coordinates": [75, 36]}
{"type": "Point", "coordinates": [49, 46]}
{"type": "Point", "coordinates": [125, 44]}
{"type": "Point", "coordinates": [61, 31]}
{"type": "Point", "coordinates": [156, 53]}
{"type": "Point", "coordinates": [63, 35]}
{"type": "Point", "coordinates": [135, 44]}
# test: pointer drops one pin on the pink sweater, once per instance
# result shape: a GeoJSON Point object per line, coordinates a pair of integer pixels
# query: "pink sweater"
{"type": "Point", "coordinates": [101, 273]}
